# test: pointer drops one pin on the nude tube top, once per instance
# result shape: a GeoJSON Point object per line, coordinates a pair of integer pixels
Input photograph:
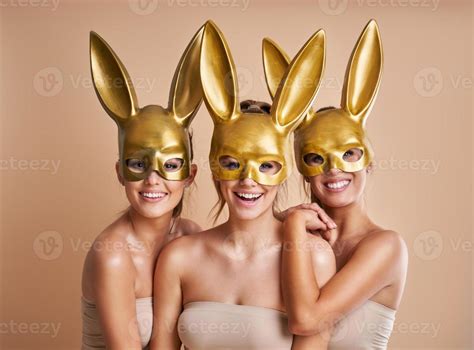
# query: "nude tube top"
{"type": "Point", "coordinates": [206, 325]}
{"type": "Point", "coordinates": [368, 327]}
{"type": "Point", "coordinates": [92, 336]}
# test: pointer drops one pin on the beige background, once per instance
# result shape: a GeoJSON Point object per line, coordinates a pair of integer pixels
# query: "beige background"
{"type": "Point", "coordinates": [58, 147]}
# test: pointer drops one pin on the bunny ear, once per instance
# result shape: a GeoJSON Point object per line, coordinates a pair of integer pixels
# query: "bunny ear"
{"type": "Point", "coordinates": [363, 74]}
{"type": "Point", "coordinates": [275, 64]}
{"type": "Point", "coordinates": [300, 84]}
{"type": "Point", "coordinates": [111, 80]}
{"type": "Point", "coordinates": [186, 91]}
{"type": "Point", "coordinates": [218, 75]}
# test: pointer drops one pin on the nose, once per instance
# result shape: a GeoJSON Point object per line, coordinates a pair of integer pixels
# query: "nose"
{"type": "Point", "coordinates": [153, 178]}
{"type": "Point", "coordinates": [332, 168]}
{"type": "Point", "coordinates": [247, 181]}
{"type": "Point", "coordinates": [246, 177]}
{"type": "Point", "coordinates": [333, 171]}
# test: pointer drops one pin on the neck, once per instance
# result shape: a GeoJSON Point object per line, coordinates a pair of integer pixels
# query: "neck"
{"type": "Point", "coordinates": [351, 220]}
{"type": "Point", "coordinates": [253, 235]}
{"type": "Point", "coordinates": [153, 232]}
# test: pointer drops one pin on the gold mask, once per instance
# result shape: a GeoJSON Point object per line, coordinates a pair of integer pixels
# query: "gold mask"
{"type": "Point", "coordinates": [254, 138]}
{"type": "Point", "coordinates": [152, 138]}
{"type": "Point", "coordinates": [330, 133]}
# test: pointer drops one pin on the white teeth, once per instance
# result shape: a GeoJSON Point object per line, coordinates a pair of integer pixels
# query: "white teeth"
{"type": "Point", "coordinates": [153, 194]}
{"type": "Point", "coordinates": [249, 195]}
{"type": "Point", "coordinates": [340, 184]}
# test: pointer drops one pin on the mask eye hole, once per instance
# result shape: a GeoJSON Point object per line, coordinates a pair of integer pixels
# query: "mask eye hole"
{"type": "Point", "coordinates": [270, 167]}
{"type": "Point", "coordinates": [174, 164]}
{"type": "Point", "coordinates": [353, 155]}
{"type": "Point", "coordinates": [229, 163]}
{"type": "Point", "coordinates": [137, 166]}
{"type": "Point", "coordinates": [313, 159]}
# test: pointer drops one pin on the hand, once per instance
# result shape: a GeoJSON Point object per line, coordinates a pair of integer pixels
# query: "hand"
{"type": "Point", "coordinates": [314, 216]}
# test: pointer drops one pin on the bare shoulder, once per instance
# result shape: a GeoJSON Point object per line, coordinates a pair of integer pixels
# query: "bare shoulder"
{"type": "Point", "coordinates": [387, 241]}
{"type": "Point", "coordinates": [323, 258]}
{"type": "Point", "coordinates": [186, 227]}
{"type": "Point", "coordinates": [108, 259]}
{"type": "Point", "coordinates": [385, 248]}
{"type": "Point", "coordinates": [183, 249]}
{"type": "Point", "coordinates": [321, 250]}
{"type": "Point", "coordinates": [110, 249]}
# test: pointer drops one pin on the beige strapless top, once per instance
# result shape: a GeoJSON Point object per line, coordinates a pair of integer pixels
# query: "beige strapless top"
{"type": "Point", "coordinates": [368, 327]}
{"type": "Point", "coordinates": [92, 336]}
{"type": "Point", "coordinates": [206, 325]}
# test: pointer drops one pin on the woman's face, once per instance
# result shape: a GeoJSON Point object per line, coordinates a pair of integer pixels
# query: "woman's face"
{"type": "Point", "coordinates": [247, 199]}
{"type": "Point", "coordinates": [155, 196]}
{"type": "Point", "coordinates": [336, 188]}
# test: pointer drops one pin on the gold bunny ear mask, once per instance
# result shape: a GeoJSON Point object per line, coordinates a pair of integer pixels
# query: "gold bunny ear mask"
{"type": "Point", "coordinates": [151, 138]}
{"type": "Point", "coordinates": [253, 138]}
{"type": "Point", "coordinates": [332, 132]}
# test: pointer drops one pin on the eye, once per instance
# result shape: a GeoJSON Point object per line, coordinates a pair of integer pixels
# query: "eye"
{"type": "Point", "coordinates": [352, 155]}
{"type": "Point", "coordinates": [229, 163]}
{"type": "Point", "coordinates": [313, 159]}
{"type": "Point", "coordinates": [270, 167]}
{"type": "Point", "coordinates": [173, 164]}
{"type": "Point", "coordinates": [136, 165]}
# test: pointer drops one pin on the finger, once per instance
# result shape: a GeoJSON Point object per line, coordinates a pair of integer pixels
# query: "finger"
{"type": "Point", "coordinates": [316, 223]}
{"type": "Point", "coordinates": [322, 214]}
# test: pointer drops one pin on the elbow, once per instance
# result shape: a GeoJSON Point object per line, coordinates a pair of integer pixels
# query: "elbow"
{"type": "Point", "coordinates": [299, 328]}
{"type": "Point", "coordinates": [302, 324]}
{"type": "Point", "coordinates": [306, 324]}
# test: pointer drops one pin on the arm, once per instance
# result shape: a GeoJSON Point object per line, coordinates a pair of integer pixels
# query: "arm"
{"type": "Point", "coordinates": [323, 264]}
{"type": "Point", "coordinates": [167, 299]}
{"type": "Point", "coordinates": [312, 309]}
{"type": "Point", "coordinates": [113, 281]}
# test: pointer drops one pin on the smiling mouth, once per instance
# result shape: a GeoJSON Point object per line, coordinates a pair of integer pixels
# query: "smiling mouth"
{"type": "Point", "coordinates": [337, 186]}
{"type": "Point", "coordinates": [153, 196]}
{"type": "Point", "coordinates": [248, 197]}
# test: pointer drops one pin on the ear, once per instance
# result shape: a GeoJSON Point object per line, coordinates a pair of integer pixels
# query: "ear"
{"type": "Point", "coordinates": [370, 168]}
{"type": "Point", "coordinates": [363, 74]}
{"type": "Point", "coordinates": [186, 91]}
{"type": "Point", "coordinates": [300, 84]}
{"type": "Point", "coordinates": [275, 64]}
{"type": "Point", "coordinates": [119, 176]}
{"type": "Point", "coordinates": [192, 175]}
{"type": "Point", "coordinates": [111, 80]}
{"type": "Point", "coordinates": [218, 75]}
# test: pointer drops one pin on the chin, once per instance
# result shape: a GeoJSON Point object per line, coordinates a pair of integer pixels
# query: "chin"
{"type": "Point", "coordinates": [152, 210]}
{"type": "Point", "coordinates": [246, 215]}
{"type": "Point", "coordinates": [336, 202]}
{"type": "Point", "coordinates": [337, 199]}
{"type": "Point", "coordinates": [150, 213]}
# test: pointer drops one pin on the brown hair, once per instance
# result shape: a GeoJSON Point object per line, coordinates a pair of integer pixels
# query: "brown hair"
{"type": "Point", "coordinates": [179, 208]}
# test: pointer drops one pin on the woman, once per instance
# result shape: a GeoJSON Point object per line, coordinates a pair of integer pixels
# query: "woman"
{"type": "Point", "coordinates": [155, 168]}
{"type": "Point", "coordinates": [334, 155]}
{"type": "Point", "coordinates": [221, 288]}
